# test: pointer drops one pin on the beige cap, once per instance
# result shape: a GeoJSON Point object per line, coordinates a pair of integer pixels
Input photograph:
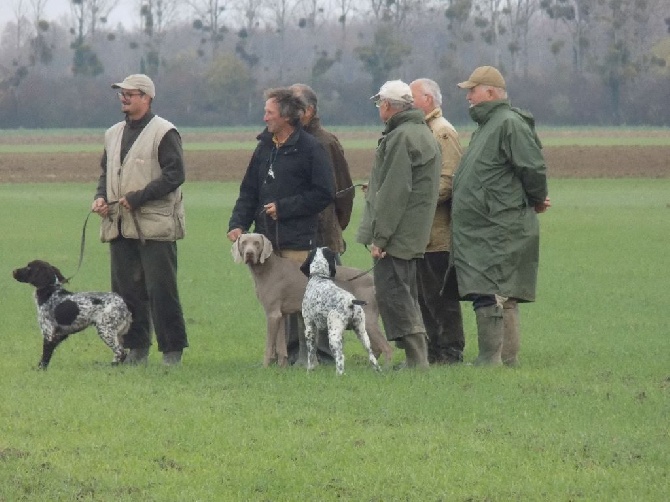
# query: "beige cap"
{"type": "Point", "coordinates": [484, 75]}
{"type": "Point", "coordinates": [139, 82]}
{"type": "Point", "coordinates": [395, 90]}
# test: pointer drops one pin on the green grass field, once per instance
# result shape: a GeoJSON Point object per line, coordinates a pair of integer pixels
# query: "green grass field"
{"type": "Point", "coordinates": [584, 418]}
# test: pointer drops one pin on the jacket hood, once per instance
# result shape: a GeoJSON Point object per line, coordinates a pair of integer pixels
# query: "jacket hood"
{"type": "Point", "coordinates": [413, 115]}
{"type": "Point", "coordinates": [482, 112]}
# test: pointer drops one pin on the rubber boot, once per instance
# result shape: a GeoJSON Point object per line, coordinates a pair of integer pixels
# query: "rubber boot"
{"type": "Point", "coordinates": [297, 327]}
{"type": "Point", "coordinates": [512, 334]}
{"type": "Point", "coordinates": [137, 357]}
{"type": "Point", "coordinates": [489, 335]}
{"type": "Point", "coordinates": [172, 358]}
{"type": "Point", "coordinates": [323, 353]}
{"type": "Point", "coordinates": [416, 350]}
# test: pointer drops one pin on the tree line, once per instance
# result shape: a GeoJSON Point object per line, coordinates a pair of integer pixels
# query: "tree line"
{"type": "Point", "coordinates": [576, 62]}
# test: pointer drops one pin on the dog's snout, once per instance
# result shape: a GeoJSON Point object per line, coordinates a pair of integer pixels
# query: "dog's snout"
{"type": "Point", "coordinates": [249, 257]}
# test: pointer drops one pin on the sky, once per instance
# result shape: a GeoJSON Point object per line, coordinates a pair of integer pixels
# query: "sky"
{"type": "Point", "coordinates": [55, 9]}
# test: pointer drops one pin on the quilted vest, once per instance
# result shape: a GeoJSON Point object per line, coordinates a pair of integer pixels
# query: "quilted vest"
{"type": "Point", "coordinates": [161, 219]}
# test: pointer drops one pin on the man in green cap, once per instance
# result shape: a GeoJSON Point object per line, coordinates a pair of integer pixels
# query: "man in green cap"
{"type": "Point", "coordinates": [499, 188]}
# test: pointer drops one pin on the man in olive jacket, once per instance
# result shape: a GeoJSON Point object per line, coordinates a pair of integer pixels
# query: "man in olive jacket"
{"type": "Point", "coordinates": [499, 188]}
{"type": "Point", "coordinates": [399, 207]}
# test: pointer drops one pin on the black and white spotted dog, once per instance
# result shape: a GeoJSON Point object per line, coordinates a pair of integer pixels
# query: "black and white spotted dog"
{"type": "Point", "coordinates": [326, 306]}
{"type": "Point", "coordinates": [61, 313]}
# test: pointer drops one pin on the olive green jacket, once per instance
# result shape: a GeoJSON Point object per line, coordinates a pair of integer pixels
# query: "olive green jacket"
{"type": "Point", "coordinates": [402, 192]}
{"type": "Point", "coordinates": [501, 177]}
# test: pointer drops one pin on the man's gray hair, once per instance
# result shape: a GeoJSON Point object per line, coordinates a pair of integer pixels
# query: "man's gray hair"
{"type": "Point", "coordinates": [499, 92]}
{"type": "Point", "coordinates": [399, 105]}
{"type": "Point", "coordinates": [307, 94]}
{"type": "Point", "coordinates": [291, 106]}
{"type": "Point", "coordinates": [431, 88]}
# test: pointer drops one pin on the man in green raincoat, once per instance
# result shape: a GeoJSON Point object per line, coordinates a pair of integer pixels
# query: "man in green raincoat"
{"type": "Point", "coordinates": [498, 189]}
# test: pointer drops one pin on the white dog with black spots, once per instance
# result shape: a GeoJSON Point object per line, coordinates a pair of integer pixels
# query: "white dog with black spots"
{"type": "Point", "coordinates": [326, 306]}
{"type": "Point", "coordinates": [61, 313]}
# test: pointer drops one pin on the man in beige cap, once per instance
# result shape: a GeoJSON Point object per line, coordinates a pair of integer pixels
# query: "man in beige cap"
{"type": "Point", "coordinates": [399, 208]}
{"type": "Point", "coordinates": [442, 317]}
{"type": "Point", "coordinates": [140, 201]}
{"type": "Point", "coordinates": [499, 188]}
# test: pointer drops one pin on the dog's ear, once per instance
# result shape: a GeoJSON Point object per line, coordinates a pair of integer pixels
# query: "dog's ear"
{"type": "Point", "coordinates": [235, 250]}
{"type": "Point", "coordinates": [330, 255]}
{"type": "Point", "coordinates": [304, 268]}
{"type": "Point", "coordinates": [266, 250]}
{"type": "Point", "coordinates": [58, 275]}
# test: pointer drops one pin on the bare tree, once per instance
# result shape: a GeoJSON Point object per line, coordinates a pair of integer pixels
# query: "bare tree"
{"type": "Point", "coordinates": [209, 20]}
{"type": "Point", "coordinates": [576, 16]}
{"type": "Point", "coordinates": [312, 13]}
{"type": "Point", "coordinates": [488, 21]}
{"type": "Point", "coordinates": [458, 13]}
{"type": "Point", "coordinates": [281, 11]}
{"type": "Point", "coordinates": [251, 12]}
{"type": "Point", "coordinates": [86, 15]}
{"type": "Point", "coordinates": [23, 27]}
{"type": "Point", "coordinates": [89, 13]}
{"type": "Point", "coordinates": [156, 16]}
{"type": "Point", "coordinates": [344, 9]}
{"type": "Point", "coordinates": [518, 14]}
{"type": "Point", "coordinates": [625, 53]}
{"type": "Point", "coordinates": [391, 11]}
{"type": "Point", "coordinates": [38, 7]}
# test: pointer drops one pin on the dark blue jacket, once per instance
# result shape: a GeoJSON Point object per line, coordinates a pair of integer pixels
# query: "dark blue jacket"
{"type": "Point", "coordinates": [300, 183]}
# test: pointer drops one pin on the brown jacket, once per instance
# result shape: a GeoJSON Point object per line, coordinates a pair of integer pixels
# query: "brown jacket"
{"type": "Point", "coordinates": [450, 146]}
{"type": "Point", "coordinates": [335, 218]}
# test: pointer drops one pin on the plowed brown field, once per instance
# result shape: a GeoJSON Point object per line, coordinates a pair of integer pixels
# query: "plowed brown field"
{"type": "Point", "coordinates": [562, 162]}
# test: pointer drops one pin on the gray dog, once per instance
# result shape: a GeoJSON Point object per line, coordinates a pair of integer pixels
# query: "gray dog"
{"type": "Point", "coordinates": [280, 288]}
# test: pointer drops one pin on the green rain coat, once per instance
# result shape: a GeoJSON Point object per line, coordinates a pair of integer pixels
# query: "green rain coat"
{"type": "Point", "coordinates": [402, 192]}
{"type": "Point", "coordinates": [500, 178]}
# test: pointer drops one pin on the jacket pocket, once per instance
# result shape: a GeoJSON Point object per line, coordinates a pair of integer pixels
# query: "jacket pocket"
{"type": "Point", "coordinates": [109, 226]}
{"type": "Point", "coordinates": [156, 220]}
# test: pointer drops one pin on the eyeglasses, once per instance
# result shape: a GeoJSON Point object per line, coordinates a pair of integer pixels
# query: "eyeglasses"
{"type": "Point", "coordinates": [378, 103]}
{"type": "Point", "coordinates": [128, 95]}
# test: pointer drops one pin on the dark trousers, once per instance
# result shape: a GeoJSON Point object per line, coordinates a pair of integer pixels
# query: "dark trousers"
{"type": "Point", "coordinates": [397, 297]}
{"type": "Point", "coordinates": [441, 316]}
{"type": "Point", "coordinates": [145, 275]}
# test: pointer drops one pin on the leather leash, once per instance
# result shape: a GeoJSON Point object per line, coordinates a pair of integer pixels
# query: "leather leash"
{"type": "Point", "coordinates": [82, 245]}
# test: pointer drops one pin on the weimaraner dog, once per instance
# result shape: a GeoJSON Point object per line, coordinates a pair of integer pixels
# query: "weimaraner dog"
{"type": "Point", "coordinates": [280, 287]}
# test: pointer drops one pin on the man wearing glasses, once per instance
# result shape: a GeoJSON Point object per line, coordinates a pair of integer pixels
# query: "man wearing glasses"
{"type": "Point", "coordinates": [140, 201]}
{"type": "Point", "coordinates": [399, 207]}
